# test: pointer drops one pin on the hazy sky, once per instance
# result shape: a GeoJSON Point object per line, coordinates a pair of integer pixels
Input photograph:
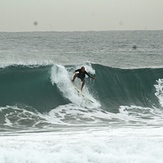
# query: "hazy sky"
{"type": "Point", "coordinates": [80, 15]}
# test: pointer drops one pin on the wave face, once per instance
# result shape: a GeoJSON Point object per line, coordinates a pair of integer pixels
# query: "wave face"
{"type": "Point", "coordinates": [33, 95]}
{"type": "Point", "coordinates": [117, 87]}
{"type": "Point", "coordinates": [29, 86]}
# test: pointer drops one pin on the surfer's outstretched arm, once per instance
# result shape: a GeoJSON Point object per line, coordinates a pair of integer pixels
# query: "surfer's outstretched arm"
{"type": "Point", "coordinates": [90, 75]}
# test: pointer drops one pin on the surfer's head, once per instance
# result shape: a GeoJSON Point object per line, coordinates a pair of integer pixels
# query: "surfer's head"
{"type": "Point", "coordinates": [82, 68]}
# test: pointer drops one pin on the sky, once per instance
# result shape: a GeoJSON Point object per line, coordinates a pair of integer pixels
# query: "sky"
{"type": "Point", "coordinates": [80, 15]}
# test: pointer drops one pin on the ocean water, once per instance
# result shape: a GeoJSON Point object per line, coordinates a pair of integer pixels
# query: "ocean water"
{"type": "Point", "coordinates": [44, 120]}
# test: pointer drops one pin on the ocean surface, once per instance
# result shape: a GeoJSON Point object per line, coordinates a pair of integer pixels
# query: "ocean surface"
{"type": "Point", "coordinates": [43, 119]}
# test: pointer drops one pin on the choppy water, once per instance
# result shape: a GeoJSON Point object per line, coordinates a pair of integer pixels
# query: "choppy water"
{"type": "Point", "coordinates": [115, 48]}
{"type": "Point", "coordinates": [44, 119]}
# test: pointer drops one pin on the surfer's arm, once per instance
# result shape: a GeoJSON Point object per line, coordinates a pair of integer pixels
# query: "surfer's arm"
{"type": "Point", "coordinates": [89, 75]}
{"type": "Point", "coordinates": [77, 70]}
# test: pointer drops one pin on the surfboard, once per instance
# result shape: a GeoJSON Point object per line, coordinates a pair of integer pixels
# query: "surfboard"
{"type": "Point", "coordinates": [81, 93]}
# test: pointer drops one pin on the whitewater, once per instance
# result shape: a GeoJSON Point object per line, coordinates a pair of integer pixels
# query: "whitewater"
{"type": "Point", "coordinates": [43, 119]}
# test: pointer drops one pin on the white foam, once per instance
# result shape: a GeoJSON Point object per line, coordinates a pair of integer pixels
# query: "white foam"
{"type": "Point", "coordinates": [159, 90]}
{"type": "Point", "coordinates": [91, 145]}
{"type": "Point", "coordinates": [66, 115]}
{"type": "Point", "coordinates": [20, 117]}
{"type": "Point", "coordinates": [60, 77]}
{"type": "Point", "coordinates": [141, 115]}
{"type": "Point", "coordinates": [71, 114]}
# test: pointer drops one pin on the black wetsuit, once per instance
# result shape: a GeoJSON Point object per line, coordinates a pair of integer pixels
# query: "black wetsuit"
{"type": "Point", "coordinates": [81, 74]}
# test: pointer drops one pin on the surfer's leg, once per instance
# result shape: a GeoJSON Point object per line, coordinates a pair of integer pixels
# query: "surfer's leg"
{"type": "Point", "coordinates": [74, 77]}
{"type": "Point", "coordinates": [83, 82]}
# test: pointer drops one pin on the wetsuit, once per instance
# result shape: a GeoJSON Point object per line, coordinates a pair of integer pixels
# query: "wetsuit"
{"type": "Point", "coordinates": [81, 74]}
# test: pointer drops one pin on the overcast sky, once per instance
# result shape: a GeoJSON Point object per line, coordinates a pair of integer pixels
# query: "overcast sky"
{"type": "Point", "coordinates": [80, 15]}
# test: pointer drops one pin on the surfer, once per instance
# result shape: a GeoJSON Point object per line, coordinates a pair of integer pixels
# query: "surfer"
{"type": "Point", "coordinates": [81, 74]}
